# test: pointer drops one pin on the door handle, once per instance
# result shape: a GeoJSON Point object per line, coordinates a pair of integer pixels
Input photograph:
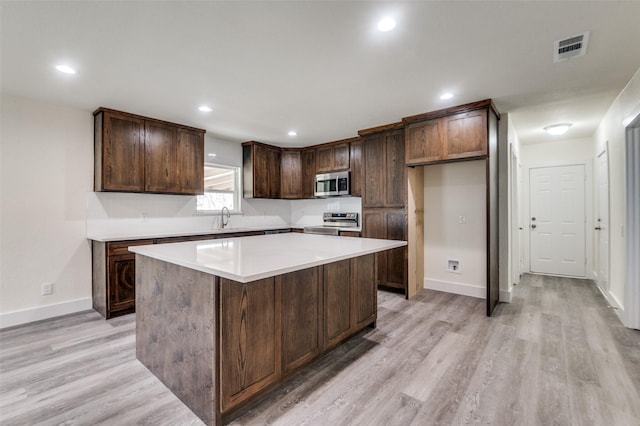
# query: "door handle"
{"type": "Point", "coordinates": [598, 228]}
{"type": "Point", "coordinates": [533, 226]}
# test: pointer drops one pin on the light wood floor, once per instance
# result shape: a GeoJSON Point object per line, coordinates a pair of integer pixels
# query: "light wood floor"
{"type": "Point", "coordinates": [556, 355]}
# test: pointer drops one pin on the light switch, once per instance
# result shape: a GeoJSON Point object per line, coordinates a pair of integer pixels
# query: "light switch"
{"type": "Point", "coordinates": [462, 219]}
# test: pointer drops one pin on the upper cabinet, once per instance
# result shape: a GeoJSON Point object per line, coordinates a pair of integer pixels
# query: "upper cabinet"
{"type": "Point", "coordinates": [308, 158]}
{"type": "Point", "coordinates": [332, 157]}
{"type": "Point", "coordinates": [355, 165]}
{"type": "Point", "coordinates": [291, 174]}
{"type": "Point", "coordinates": [261, 165]}
{"type": "Point", "coordinates": [447, 135]}
{"type": "Point", "coordinates": [384, 177]}
{"type": "Point", "coordinates": [140, 154]}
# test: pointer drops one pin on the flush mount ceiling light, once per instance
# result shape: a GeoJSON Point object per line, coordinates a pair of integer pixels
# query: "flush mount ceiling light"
{"type": "Point", "coordinates": [205, 108]}
{"type": "Point", "coordinates": [65, 69]}
{"type": "Point", "coordinates": [386, 24]}
{"type": "Point", "coordinates": [558, 129]}
{"type": "Point", "coordinates": [292, 133]}
{"type": "Point", "coordinates": [446, 95]}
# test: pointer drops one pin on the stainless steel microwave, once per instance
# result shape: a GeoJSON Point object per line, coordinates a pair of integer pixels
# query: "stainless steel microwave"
{"type": "Point", "coordinates": [332, 184]}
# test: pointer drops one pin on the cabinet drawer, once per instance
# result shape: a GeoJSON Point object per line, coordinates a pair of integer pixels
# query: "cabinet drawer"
{"type": "Point", "coordinates": [122, 247]}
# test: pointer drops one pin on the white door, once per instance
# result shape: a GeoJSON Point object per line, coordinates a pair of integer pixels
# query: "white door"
{"type": "Point", "coordinates": [602, 223]}
{"type": "Point", "coordinates": [557, 220]}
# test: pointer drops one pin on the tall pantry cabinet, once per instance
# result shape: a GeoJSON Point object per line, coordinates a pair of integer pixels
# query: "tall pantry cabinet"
{"type": "Point", "coordinates": [384, 196]}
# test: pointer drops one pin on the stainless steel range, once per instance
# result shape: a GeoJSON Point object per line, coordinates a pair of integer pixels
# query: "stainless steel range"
{"type": "Point", "coordinates": [332, 222]}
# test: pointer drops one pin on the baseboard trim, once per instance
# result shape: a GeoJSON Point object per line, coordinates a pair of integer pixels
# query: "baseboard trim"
{"type": "Point", "coordinates": [11, 319]}
{"type": "Point", "coordinates": [505, 295]}
{"type": "Point", "coordinates": [613, 301]}
{"type": "Point", "coordinates": [456, 288]}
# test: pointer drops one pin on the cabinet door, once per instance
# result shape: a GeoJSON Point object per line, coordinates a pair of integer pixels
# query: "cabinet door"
{"type": "Point", "coordinates": [121, 283]}
{"type": "Point", "coordinates": [396, 268]}
{"type": "Point", "coordinates": [374, 171]}
{"type": "Point", "coordinates": [273, 174]}
{"type": "Point", "coordinates": [324, 159]}
{"type": "Point", "coordinates": [261, 171]}
{"type": "Point", "coordinates": [355, 164]}
{"type": "Point", "coordinates": [190, 162]}
{"type": "Point", "coordinates": [119, 152]}
{"type": "Point", "coordinates": [465, 135]}
{"type": "Point", "coordinates": [291, 175]}
{"type": "Point", "coordinates": [301, 316]}
{"type": "Point", "coordinates": [160, 142]}
{"type": "Point", "coordinates": [249, 350]}
{"type": "Point", "coordinates": [308, 173]}
{"type": "Point", "coordinates": [424, 142]}
{"type": "Point", "coordinates": [374, 226]}
{"type": "Point", "coordinates": [337, 301]}
{"type": "Point", "coordinates": [363, 276]}
{"type": "Point", "coordinates": [395, 173]}
{"type": "Point", "coordinates": [340, 157]}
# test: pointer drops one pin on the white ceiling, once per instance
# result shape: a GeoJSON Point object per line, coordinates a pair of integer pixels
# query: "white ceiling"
{"type": "Point", "coordinates": [320, 67]}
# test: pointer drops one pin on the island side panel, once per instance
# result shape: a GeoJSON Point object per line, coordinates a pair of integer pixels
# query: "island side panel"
{"type": "Point", "coordinates": [175, 331]}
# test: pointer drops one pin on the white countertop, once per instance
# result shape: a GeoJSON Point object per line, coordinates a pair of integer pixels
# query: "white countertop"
{"type": "Point", "coordinates": [124, 236]}
{"type": "Point", "coordinates": [246, 259]}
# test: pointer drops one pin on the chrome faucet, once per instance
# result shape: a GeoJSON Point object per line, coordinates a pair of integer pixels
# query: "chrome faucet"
{"type": "Point", "coordinates": [224, 222]}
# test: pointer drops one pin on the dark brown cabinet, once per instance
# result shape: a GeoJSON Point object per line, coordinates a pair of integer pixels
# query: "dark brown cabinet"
{"type": "Point", "coordinates": [388, 224]}
{"type": "Point", "coordinates": [114, 271]}
{"type": "Point", "coordinates": [308, 172]}
{"type": "Point", "coordinates": [355, 165]}
{"type": "Point", "coordinates": [384, 170]}
{"type": "Point", "coordinates": [291, 174]}
{"type": "Point", "coordinates": [261, 170]}
{"type": "Point", "coordinates": [140, 154]}
{"type": "Point", "coordinates": [249, 350]}
{"type": "Point", "coordinates": [456, 136]}
{"type": "Point", "coordinates": [384, 200]}
{"type": "Point", "coordinates": [301, 317]}
{"type": "Point", "coordinates": [333, 157]}
{"type": "Point", "coordinates": [275, 326]}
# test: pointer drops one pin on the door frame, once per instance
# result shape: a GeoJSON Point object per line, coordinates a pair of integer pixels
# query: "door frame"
{"type": "Point", "coordinates": [588, 171]}
{"type": "Point", "coordinates": [515, 219]}
{"type": "Point", "coordinates": [632, 224]}
{"type": "Point", "coordinates": [596, 238]}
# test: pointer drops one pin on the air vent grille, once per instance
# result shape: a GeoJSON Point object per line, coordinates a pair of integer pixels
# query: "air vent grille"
{"type": "Point", "coordinates": [570, 47]}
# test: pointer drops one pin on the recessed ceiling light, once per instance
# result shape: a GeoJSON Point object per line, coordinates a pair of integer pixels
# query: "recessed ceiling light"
{"type": "Point", "coordinates": [205, 108]}
{"type": "Point", "coordinates": [65, 69]}
{"type": "Point", "coordinates": [447, 95]}
{"type": "Point", "coordinates": [211, 154]}
{"type": "Point", "coordinates": [292, 133]}
{"type": "Point", "coordinates": [558, 129]}
{"type": "Point", "coordinates": [386, 24]}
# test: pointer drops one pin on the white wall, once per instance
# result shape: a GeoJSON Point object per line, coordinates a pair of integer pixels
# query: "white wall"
{"type": "Point", "coordinates": [612, 129]}
{"type": "Point", "coordinates": [452, 190]}
{"type": "Point", "coordinates": [47, 169]}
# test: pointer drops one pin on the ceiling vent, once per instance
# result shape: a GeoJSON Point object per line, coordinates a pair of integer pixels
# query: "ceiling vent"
{"type": "Point", "coordinates": [570, 47]}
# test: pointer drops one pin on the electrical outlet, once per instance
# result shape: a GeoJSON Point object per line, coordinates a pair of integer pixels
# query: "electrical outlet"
{"type": "Point", "coordinates": [46, 289]}
{"type": "Point", "coordinates": [144, 216]}
{"type": "Point", "coordinates": [462, 220]}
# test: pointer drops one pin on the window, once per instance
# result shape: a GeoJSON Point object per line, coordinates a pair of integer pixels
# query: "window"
{"type": "Point", "coordinates": [221, 188]}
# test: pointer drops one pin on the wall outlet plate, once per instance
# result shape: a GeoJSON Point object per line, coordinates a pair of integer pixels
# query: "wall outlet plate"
{"type": "Point", "coordinates": [453, 266]}
{"type": "Point", "coordinates": [46, 289]}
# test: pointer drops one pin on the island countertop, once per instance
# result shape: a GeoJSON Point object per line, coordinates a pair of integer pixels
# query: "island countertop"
{"type": "Point", "coordinates": [246, 259]}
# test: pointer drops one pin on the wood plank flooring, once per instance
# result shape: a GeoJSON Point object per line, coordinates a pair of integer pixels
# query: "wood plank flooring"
{"type": "Point", "coordinates": [557, 355]}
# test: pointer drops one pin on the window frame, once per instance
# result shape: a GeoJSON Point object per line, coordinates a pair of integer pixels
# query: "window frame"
{"type": "Point", "coordinates": [237, 193]}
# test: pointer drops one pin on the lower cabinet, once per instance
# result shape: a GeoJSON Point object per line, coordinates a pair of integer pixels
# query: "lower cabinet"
{"type": "Point", "coordinates": [275, 326]}
{"type": "Point", "coordinates": [114, 271]}
{"type": "Point", "coordinates": [392, 264]}
{"type": "Point", "coordinates": [249, 344]}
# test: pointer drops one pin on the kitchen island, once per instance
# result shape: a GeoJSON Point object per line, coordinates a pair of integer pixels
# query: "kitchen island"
{"type": "Point", "coordinates": [219, 322]}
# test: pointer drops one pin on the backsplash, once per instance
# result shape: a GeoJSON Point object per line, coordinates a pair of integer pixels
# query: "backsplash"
{"type": "Point", "coordinates": [110, 213]}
